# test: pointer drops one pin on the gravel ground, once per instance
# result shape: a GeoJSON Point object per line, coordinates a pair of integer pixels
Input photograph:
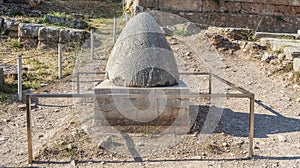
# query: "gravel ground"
{"type": "Point", "coordinates": [60, 141]}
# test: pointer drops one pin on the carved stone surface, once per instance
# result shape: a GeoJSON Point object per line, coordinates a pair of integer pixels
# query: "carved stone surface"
{"type": "Point", "coordinates": [143, 111]}
{"type": "Point", "coordinates": [142, 57]}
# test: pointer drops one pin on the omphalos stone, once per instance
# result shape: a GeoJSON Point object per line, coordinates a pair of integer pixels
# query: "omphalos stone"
{"type": "Point", "coordinates": [142, 57]}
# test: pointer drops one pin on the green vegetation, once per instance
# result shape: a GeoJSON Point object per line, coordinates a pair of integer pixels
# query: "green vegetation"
{"type": "Point", "coordinates": [41, 20]}
{"type": "Point", "coordinates": [181, 32]}
{"type": "Point", "coordinates": [62, 15]}
{"type": "Point", "coordinates": [3, 31]}
{"type": "Point", "coordinates": [16, 44]}
{"type": "Point", "coordinates": [288, 68]}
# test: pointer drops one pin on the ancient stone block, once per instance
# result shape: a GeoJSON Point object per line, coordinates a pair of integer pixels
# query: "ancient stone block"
{"type": "Point", "coordinates": [28, 42]}
{"type": "Point", "coordinates": [147, 111]}
{"type": "Point", "coordinates": [72, 36]}
{"type": "Point", "coordinates": [181, 5]}
{"type": "Point", "coordinates": [28, 30]}
{"type": "Point", "coordinates": [289, 51]}
{"type": "Point", "coordinates": [296, 64]}
{"type": "Point", "coordinates": [11, 24]}
{"type": "Point", "coordinates": [69, 22]}
{"type": "Point", "coordinates": [148, 3]}
{"type": "Point", "coordinates": [49, 34]}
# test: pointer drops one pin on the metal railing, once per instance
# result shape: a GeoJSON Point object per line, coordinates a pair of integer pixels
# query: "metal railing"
{"type": "Point", "coordinates": [243, 94]}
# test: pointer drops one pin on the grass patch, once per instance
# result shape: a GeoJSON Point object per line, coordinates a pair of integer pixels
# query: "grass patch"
{"type": "Point", "coordinates": [3, 31]}
{"type": "Point", "coordinates": [180, 32]}
{"type": "Point", "coordinates": [16, 44]}
{"type": "Point", "coordinates": [61, 15]}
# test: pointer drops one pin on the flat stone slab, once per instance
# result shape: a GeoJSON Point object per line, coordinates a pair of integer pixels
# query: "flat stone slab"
{"type": "Point", "coordinates": [149, 111]}
{"type": "Point", "coordinates": [278, 44]}
{"type": "Point", "coordinates": [259, 35]}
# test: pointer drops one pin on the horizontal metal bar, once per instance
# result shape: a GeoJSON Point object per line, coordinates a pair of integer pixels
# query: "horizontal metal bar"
{"type": "Point", "coordinates": [220, 95]}
{"type": "Point", "coordinates": [41, 89]}
{"type": "Point", "coordinates": [233, 85]}
{"type": "Point", "coordinates": [194, 73]}
{"type": "Point", "coordinates": [87, 73]}
{"type": "Point", "coordinates": [191, 95]}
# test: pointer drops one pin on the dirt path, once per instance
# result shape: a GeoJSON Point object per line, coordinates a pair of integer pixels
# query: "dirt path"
{"type": "Point", "coordinates": [277, 123]}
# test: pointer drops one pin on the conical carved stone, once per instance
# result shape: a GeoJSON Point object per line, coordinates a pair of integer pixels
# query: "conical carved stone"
{"type": "Point", "coordinates": [142, 57]}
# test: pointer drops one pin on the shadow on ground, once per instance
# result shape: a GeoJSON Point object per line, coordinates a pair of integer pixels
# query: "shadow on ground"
{"type": "Point", "coordinates": [237, 123]}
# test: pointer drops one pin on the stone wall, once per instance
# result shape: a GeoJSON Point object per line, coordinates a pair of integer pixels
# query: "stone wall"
{"type": "Point", "coordinates": [43, 37]}
{"type": "Point", "coordinates": [19, 7]}
{"type": "Point", "coordinates": [273, 15]}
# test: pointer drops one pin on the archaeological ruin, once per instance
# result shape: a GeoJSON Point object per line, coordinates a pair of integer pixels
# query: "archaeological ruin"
{"type": "Point", "coordinates": [261, 15]}
{"type": "Point", "coordinates": [143, 63]}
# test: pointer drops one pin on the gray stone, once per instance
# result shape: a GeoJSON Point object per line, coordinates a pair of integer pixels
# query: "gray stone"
{"type": "Point", "coordinates": [28, 30]}
{"type": "Point", "coordinates": [1, 1]}
{"type": "Point", "coordinates": [145, 111]}
{"type": "Point", "coordinates": [278, 44]}
{"type": "Point", "coordinates": [28, 42]}
{"type": "Point", "coordinates": [267, 57]}
{"type": "Point", "coordinates": [48, 37]}
{"type": "Point", "coordinates": [296, 64]}
{"type": "Point", "coordinates": [35, 13]}
{"type": "Point", "coordinates": [1, 76]}
{"type": "Point", "coordinates": [167, 31]}
{"type": "Point", "coordinates": [192, 28]}
{"type": "Point", "coordinates": [259, 35]}
{"type": "Point", "coordinates": [142, 57]}
{"type": "Point", "coordinates": [289, 51]}
{"type": "Point", "coordinates": [72, 36]}
{"type": "Point", "coordinates": [69, 22]}
{"type": "Point", "coordinates": [11, 24]}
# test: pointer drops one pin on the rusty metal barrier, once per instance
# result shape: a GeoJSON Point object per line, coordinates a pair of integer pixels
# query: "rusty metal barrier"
{"type": "Point", "coordinates": [243, 94]}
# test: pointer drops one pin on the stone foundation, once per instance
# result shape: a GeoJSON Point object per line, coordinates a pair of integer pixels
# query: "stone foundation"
{"type": "Point", "coordinates": [142, 112]}
{"type": "Point", "coordinates": [269, 16]}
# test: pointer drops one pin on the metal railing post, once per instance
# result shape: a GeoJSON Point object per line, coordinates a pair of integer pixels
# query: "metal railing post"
{"type": "Point", "coordinates": [19, 78]}
{"type": "Point", "coordinates": [29, 129]}
{"type": "Point", "coordinates": [115, 30]}
{"type": "Point", "coordinates": [78, 84]}
{"type": "Point", "coordinates": [209, 84]}
{"type": "Point", "coordinates": [59, 62]}
{"type": "Point", "coordinates": [92, 44]}
{"type": "Point", "coordinates": [251, 127]}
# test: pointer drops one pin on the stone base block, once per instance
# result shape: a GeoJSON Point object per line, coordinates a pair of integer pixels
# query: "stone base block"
{"type": "Point", "coordinates": [29, 42]}
{"type": "Point", "coordinates": [150, 111]}
{"type": "Point", "coordinates": [296, 64]}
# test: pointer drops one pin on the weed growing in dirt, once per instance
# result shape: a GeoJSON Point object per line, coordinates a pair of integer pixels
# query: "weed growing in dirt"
{"type": "Point", "coordinates": [16, 44]}
{"type": "Point", "coordinates": [62, 15]}
{"type": "Point", "coordinates": [180, 32]}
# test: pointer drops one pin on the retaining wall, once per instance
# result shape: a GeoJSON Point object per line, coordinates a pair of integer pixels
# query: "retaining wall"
{"type": "Point", "coordinates": [273, 15]}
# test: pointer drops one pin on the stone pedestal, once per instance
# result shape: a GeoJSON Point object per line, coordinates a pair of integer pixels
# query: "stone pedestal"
{"type": "Point", "coordinates": [160, 113]}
